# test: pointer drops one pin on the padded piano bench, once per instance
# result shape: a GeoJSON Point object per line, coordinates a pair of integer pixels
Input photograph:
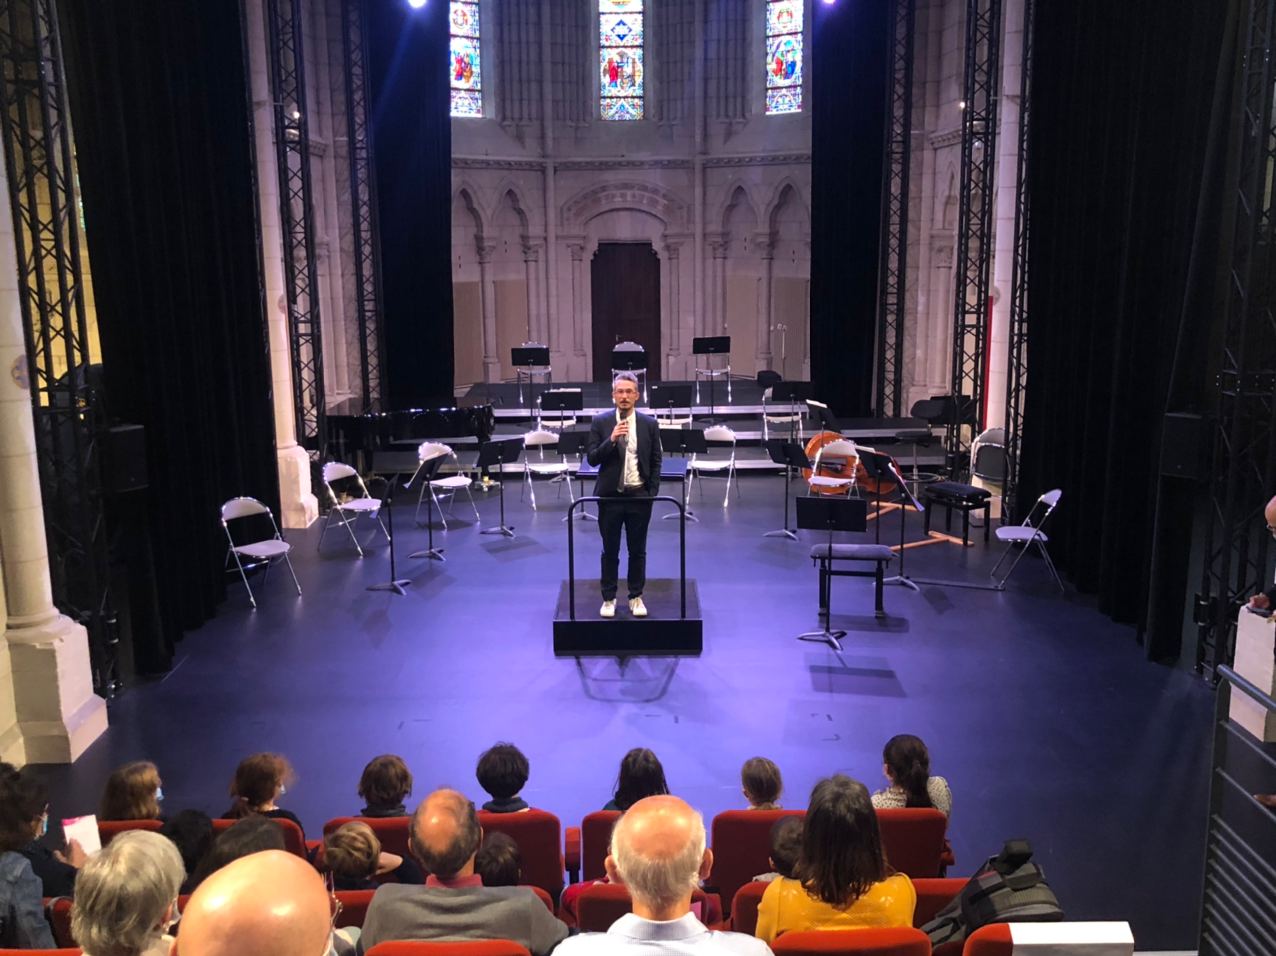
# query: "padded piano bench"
{"type": "Point", "coordinates": [825, 554]}
{"type": "Point", "coordinates": [965, 498]}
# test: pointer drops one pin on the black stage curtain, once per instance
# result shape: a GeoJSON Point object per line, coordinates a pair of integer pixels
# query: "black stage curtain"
{"type": "Point", "coordinates": [412, 156]}
{"type": "Point", "coordinates": [848, 123]}
{"type": "Point", "coordinates": [162, 126]}
{"type": "Point", "coordinates": [1122, 277]}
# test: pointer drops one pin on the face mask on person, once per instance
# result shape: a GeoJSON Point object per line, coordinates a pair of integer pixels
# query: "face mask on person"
{"type": "Point", "coordinates": [44, 824]}
{"type": "Point", "coordinates": [282, 789]}
{"type": "Point", "coordinates": [159, 794]}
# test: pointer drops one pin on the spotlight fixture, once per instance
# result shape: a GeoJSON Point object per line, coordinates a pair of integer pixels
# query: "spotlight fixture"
{"type": "Point", "coordinates": [416, 4]}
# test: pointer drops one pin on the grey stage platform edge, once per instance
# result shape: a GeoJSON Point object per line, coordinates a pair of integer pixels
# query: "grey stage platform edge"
{"type": "Point", "coordinates": [661, 634]}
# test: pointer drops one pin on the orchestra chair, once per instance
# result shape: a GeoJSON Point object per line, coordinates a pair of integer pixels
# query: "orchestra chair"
{"type": "Point", "coordinates": [462, 947]}
{"type": "Point", "coordinates": [539, 836]}
{"type": "Point", "coordinates": [744, 907]}
{"type": "Point", "coordinates": [354, 907]}
{"type": "Point", "coordinates": [348, 509]}
{"type": "Point", "coordinates": [1023, 939]}
{"type": "Point", "coordinates": [1028, 534]}
{"type": "Point", "coordinates": [841, 451]}
{"type": "Point", "coordinates": [432, 454]}
{"type": "Point", "coordinates": [716, 467]}
{"type": "Point", "coordinates": [786, 416]}
{"type": "Point", "coordinates": [913, 839]}
{"type": "Point", "coordinates": [590, 841]}
{"type": "Point", "coordinates": [294, 840]}
{"type": "Point", "coordinates": [741, 841]}
{"type": "Point", "coordinates": [532, 372]}
{"type": "Point", "coordinates": [392, 832]}
{"type": "Point", "coordinates": [600, 905]}
{"type": "Point", "coordinates": [106, 829]}
{"type": "Point", "coordinates": [263, 551]}
{"type": "Point", "coordinates": [630, 357]}
{"type": "Point", "coordinates": [934, 895]}
{"type": "Point", "coordinates": [560, 471]}
{"type": "Point", "coordinates": [892, 941]}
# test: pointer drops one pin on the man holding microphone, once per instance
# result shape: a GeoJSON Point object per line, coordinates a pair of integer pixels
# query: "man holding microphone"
{"type": "Point", "coordinates": [625, 447]}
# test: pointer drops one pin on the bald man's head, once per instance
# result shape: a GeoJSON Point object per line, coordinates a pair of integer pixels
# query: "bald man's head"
{"type": "Point", "coordinates": [271, 903]}
{"type": "Point", "coordinates": [446, 833]}
{"type": "Point", "coordinates": [657, 850]}
{"type": "Point", "coordinates": [1270, 514]}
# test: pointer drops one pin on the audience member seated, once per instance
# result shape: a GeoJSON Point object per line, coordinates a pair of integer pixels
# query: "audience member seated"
{"type": "Point", "coordinates": [266, 904]}
{"type": "Point", "coordinates": [192, 833]}
{"type": "Point", "coordinates": [126, 897]}
{"type": "Point", "coordinates": [502, 771]}
{"type": "Point", "coordinates": [842, 879]}
{"type": "Point", "coordinates": [906, 764]}
{"type": "Point", "coordinates": [260, 780]}
{"type": "Point", "coordinates": [250, 835]}
{"type": "Point", "coordinates": [761, 783]}
{"type": "Point", "coordinates": [132, 792]}
{"type": "Point", "coordinates": [352, 854]}
{"type": "Point", "coordinates": [641, 775]}
{"type": "Point", "coordinates": [454, 904]}
{"type": "Point", "coordinates": [786, 845]}
{"type": "Point", "coordinates": [385, 784]}
{"type": "Point", "coordinates": [24, 815]}
{"type": "Point", "coordinates": [499, 861]}
{"type": "Point", "coordinates": [55, 870]}
{"type": "Point", "coordinates": [658, 852]}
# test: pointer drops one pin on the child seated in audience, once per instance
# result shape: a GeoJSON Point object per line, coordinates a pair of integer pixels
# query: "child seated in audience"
{"type": "Point", "coordinates": [641, 775]}
{"type": "Point", "coordinates": [786, 844]}
{"type": "Point", "coordinates": [499, 861]}
{"type": "Point", "coordinates": [352, 854]}
{"type": "Point", "coordinates": [761, 783]}
{"type": "Point", "coordinates": [132, 792]}
{"type": "Point", "coordinates": [502, 771]}
{"type": "Point", "coordinates": [906, 764]}
{"type": "Point", "coordinates": [385, 784]}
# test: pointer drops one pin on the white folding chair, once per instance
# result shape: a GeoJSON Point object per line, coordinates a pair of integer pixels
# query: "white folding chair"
{"type": "Point", "coordinates": [787, 416]}
{"type": "Point", "coordinates": [639, 373]}
{"type": "Point", "coordinates": [348, 508]}
{"type": "Point", "coordinates": [260, 551]}
{"type": "Point", "coordinates": [716, 467]}
{"type": "Point", "coordinates": [532, 372]}
{"type": "Point", "coordinates": [841, 450]}
{"type": "Point", "coordinates": [448, 485]}
{"type": "Point", "coordinates": [1028, 534]}
{"type": "Point", "coordinates": [535, 463]}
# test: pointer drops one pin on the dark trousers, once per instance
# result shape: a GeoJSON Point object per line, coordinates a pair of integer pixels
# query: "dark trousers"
{"type": "Point", "coordinates": [633, 514]}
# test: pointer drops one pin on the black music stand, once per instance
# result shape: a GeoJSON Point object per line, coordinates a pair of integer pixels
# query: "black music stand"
{"type": "Point", "coordinates": [793, 393]}
{"type": "Point", "coordinates": [525, 361]}
{"type": "Point", "coordinates": [575, 443]}
{"type": "Point", "coordinates": [504, 452]}
{"type": "Point", "coordinates": [819, 513]}
{"type": "Point", "coordinates": [668, 397]}
{"type": "Point", "coordinates": [684, 442]}
{"type": "Point", "coordinates": [427, 471]}
{"type": "Point", "coordinates": [820, 412]}
{"type": "Point", "coordinates": [395, 585]}
{"type": "Point", "coordinates": [712, 345]}
{"type": "Point", "coordinates": [909, 499]}
{"type": "Point", "coordinates": [562, 400]}
{"type": "Point", "coordinates": [791, 455]}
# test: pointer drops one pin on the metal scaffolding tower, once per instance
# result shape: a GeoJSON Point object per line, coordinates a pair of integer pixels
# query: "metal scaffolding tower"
{"type": "Point", "coordinates": [284, 28]}
{"type": "Point", "coordinates": [1243, 465]}
{"type": "Point", "coordinates": [974, 244]}
{"type": "Point", "coordinates": [893, 278]}
{"type": "Point", "coordinates": [40, 163]}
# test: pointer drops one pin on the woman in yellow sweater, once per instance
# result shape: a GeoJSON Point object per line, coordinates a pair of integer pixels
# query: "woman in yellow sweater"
{"type": "Point", "coordinates": [842, 880]}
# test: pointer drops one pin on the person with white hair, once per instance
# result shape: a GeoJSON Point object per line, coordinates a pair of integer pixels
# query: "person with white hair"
{"type": "Point", "coordinates": [126, 896]}
{"type": "Point", "coordinates": [658, 851]}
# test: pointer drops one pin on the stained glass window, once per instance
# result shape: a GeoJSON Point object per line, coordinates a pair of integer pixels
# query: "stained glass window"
{"type": "Point", "coordinates": [620, 59]}
{"type": "Point", "coordinates": [464, 60]}
{"type": "Point", "coordinates": [784, 56]}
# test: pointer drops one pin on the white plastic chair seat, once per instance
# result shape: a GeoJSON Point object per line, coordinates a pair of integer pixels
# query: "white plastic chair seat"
{"type": "Point", "coordinates": [1019, 534]}
{"type": "Point", "coordinates": [823, 481]}
{"type": "Point", "coordinates": [451, 481]}
{"type": "Point", "coordinates": [550, 468]}
{"type": "Point", "coordinates": [361, 505]}
{"type": "Point", "coordinates": [712, 464]}
{"type": "Point", "coordinates": [263, 549]}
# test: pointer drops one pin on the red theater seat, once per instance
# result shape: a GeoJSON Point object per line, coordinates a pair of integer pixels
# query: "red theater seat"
{"type": "Point", "coordinates": [391, 831]}
{"type": "Point", "coordinates": [106, 829]}
{"type": "Point", "coordinates": [602, 904]}
{"type": "Point", "coordinates": [899, 941]}
{"type": "Point", "coordinates": [933, 896]}
{"type": "Point", "coordinates": [741, 841]}
{"type": "Point", "coordinates": [744, 907]}
{"type": "Point", "coordinates": [477, 947]}
{"type": "Point", "coordinates": [354, 907]}
{"type": "Point", "coordinates": [294, 839]}
{"type": "Point", "coordinates": [57, 910]}
{"type": "Point", "coordinates": [539, 836]}
{"type": "Point", "coordinates": [913, 840]}
{"type": "Point", "coordinates": [992, 940]}
{"type": "Point", "coordinates": [595, 838]}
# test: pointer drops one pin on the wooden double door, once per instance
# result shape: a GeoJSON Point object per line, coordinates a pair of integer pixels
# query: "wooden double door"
{"type": "Point", "coordinates": [625, 301]}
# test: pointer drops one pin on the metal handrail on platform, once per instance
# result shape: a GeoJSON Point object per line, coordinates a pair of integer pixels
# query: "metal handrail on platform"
{"type": "Point", "coordinates": [682, 549]}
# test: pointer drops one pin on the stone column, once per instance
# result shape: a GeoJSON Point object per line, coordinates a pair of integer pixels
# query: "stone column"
{"type": "Point", "coordinates": [714, 321]}
{"type": "Point", "coordinates": [765, 244]}
{"type": "Point", "coordinates": [48, 711]}
{"type": "Point", "coordinates": [487, 290]}
{"type": "Point", "coordinates": [576, 249]}
{"type": "Point", "coordinates": [536, 328]}
{"type": "Point", "coordinates": [298, 505]}
{"type": "Point", "coordinates": [673, 264]}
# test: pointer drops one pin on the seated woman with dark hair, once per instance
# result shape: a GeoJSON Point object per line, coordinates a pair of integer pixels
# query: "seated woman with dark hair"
{"type": "Point", "coordinates": [24, 815]}
{"type": "Point", "coordinates": [842, 880]}
{"type": "Point", "coordinates": [641, 775]}
{"type": "Point", "coordinates": [499, 861]}
{"type": "Point", "coordinates": [761, 783]}
{"type": "Point", "coordinates": [386, 782]}
{"type": "Point", "coordinates": [132, 792]}
{"type": "Point", "coordinates": [250, 835]}
{"type": "Point", "coordinates": [192, 833]}
{"type": "Point", "coordinates": [502, 771]}
{"type": "Point", "coordinates": [56, 870]}
{"type": "Point", "coordinates": [906, 764]}
{"type": "Point", "coordinates": [259, 781]}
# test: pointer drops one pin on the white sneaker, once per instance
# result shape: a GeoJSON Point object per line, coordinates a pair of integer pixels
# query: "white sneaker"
{"type": "Point", "coordinates": [608, 609]}
{"type": "Point", "coordinates": [637, 608]}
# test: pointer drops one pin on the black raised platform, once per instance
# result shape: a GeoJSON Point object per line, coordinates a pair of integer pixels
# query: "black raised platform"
{"type": "Point", "coordinates": [661, 634]}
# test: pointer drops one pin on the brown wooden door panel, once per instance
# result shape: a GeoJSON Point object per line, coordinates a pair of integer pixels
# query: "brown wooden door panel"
{"type": "Point", "coordinates": [625, 279]}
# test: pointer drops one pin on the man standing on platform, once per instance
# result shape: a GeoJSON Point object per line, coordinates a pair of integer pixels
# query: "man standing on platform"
{"type": "Point", "coordinates": [625, 447]}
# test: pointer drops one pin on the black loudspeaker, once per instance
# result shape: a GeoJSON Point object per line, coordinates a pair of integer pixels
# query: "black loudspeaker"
{"type": "Point", "coordinates": [1185, 446]}
{"type": "Point", "coordinates": [124, 459]}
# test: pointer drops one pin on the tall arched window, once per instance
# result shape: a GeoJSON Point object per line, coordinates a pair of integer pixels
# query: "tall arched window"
{"type": "Point", "coordinates": [464, 61]}
{"type": "Point", "coordinates": [784, 56]}
{"type": "Point", "coordinates": [620, 59]}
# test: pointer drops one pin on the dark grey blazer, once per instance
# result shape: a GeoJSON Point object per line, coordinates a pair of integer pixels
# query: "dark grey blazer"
{"type": "Point", "coordinates": [606, 455]}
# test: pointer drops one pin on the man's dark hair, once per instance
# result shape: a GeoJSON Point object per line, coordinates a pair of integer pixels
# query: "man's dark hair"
{"type": "Point", "coordinates": [192, 833]}
{"type": "Point", "coordinates": [499, 860]}
{"type": "Point", "coordinates": [23, 797]}
{"type": "Point", "coordinates": [502, 770]}
{"type": "Point", "coordinates": [445, 862]}
{"type": "Point", "coordinates": [385, 782]}
{"type": "Point", "coordinates": [786, 844]}
{"type": "Point", "coordinates": [841, 854]}
{"type": "Point", "coordinates": [248, 836]}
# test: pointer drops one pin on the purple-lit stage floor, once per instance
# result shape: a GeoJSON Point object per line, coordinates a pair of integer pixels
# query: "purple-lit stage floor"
{"type": "Point", "coordinates": [1042, 714]}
